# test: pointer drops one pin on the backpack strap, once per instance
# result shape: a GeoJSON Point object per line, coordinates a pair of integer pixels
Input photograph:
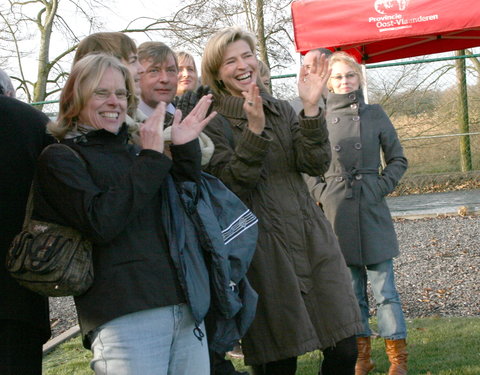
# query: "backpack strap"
{"type": "Point", "coordinates": [29, 207]}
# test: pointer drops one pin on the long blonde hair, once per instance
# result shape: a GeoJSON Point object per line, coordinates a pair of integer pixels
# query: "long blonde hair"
{"type": "Point", "coordinates": [82, 82]}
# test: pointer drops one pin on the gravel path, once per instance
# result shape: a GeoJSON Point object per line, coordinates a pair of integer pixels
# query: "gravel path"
{"type": "Point", "coordinates": [438, 271]}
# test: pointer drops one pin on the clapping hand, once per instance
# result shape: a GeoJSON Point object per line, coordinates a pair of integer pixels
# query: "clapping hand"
{"type": "Point", "coordinates": [253, 107]}
{"type": "Point", "coordinates": [186, 130]}
{"type": "Point", "coordinates": [151, 131]}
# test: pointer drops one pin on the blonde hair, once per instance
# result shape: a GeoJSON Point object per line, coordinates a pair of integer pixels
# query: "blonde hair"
{"type": "Point", "coordinates": [185, 56]}
{"type": "Point", "coordinates": [212, 58]}
{"type": "Point", "coordinates": [344, 57]}
{"type": "Point", "coordinates": [264, 72]}
{"type": "Point", "coordinates": [82, 82]}
{"type": "Point", "coordinates": [110, 43]}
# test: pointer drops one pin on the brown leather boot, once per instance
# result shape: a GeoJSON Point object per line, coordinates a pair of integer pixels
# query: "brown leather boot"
{"type": "Point", "coordinates": [397, 355]}
{"type": "Point", "coordinates": [364, 362]}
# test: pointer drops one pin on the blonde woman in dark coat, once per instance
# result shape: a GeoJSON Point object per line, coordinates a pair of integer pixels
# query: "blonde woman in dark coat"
{"type": "Point", "coordinates": [306, 300]}
{"type": "Point", "coordinates": [353, 200]}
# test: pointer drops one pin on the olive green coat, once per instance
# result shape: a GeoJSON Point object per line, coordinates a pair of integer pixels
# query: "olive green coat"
{"type": "Point", "coordinates": [356, 185]}
{"type": "Point", "coordinates": [306, 300]}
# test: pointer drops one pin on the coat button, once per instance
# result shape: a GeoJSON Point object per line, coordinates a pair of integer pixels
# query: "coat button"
{"type": "Point", "coordinates": [356, 118]}
{"type": "Point", "coordinates": [354, 106]}
{"type": "Point", "coordinates": [358, 177]}
{"type": "Point", "coordinates": [337, 148]}
{"type": "Point", "coordinates": [352, 96]}
{"type": "Point", "coordinates": [358, 146]}
{"type": "Point", "coordinates": [339, 178]}
{"type": "Point", "coordinates": [335, 120]}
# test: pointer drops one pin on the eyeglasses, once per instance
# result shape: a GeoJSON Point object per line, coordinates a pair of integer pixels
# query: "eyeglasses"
{"type": "Point", "coordinates": [105, 94]}
{"type": "Point", "coordinates": [339, 77]}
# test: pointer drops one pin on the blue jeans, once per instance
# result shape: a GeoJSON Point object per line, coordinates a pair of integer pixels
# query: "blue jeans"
{"type": "Point", "coordinates": [391, 322]}
{"type": "Point", "coordinates": [158, 341]}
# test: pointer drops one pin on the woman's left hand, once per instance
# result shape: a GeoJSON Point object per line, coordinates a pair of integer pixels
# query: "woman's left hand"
{"type": "Point", "coordinates": [253, 107]}
{"type": "Point", "coordinates": [312, 82]}
{"type": "Point", "coordinates": [192, 125]}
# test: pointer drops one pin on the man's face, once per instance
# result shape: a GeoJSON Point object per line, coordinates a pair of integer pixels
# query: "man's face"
{"type": "Point", "coordinates": [308, 59]}
{"type": "Point", "coordinates": [159, 82]}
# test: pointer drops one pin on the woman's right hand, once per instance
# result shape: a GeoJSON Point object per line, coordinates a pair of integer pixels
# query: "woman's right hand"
{"type": "Point", "coordinates": [253, 108]}
{"type": "Point", "coordinates": [151, 131]}
{"type": "Point", "coordinates": [186, 130]}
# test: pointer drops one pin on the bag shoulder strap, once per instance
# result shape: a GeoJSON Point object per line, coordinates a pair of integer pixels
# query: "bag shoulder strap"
{"type": "Point", "coordinates": [29, 207]}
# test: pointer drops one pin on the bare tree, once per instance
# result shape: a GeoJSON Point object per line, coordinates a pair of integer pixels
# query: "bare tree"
{"type": "Point", "coordinates": [24, 20]}
{"type": "Point", "coordinates": [192, 25]}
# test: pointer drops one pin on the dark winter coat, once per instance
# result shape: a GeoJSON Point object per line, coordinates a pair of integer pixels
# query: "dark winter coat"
{"type": "Point", "coordinates": [212, 237]}
{"type": "Point", "coordinates": [354, 194]}
{"type": "Point", "coordinates": [305, 295]}
{"type": "Point", "coordinates": [116, 202]}
{"type": "Point", "coordinates": [22, 138]}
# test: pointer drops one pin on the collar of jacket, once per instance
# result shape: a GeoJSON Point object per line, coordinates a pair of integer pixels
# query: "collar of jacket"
{"type": "Point", "coordinates": [232, 106]}
{"type": "Point", "coordinates": [101, 136]}
{"type": "Point", "coordinates": [339, 101]}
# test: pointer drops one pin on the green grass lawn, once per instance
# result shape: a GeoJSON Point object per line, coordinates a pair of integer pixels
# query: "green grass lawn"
{"type": "Point", "coordinates": [437, 346]}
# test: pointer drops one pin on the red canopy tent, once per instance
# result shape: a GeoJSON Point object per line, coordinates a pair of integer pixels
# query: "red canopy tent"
{"type": "Point", "coordinates": [380, 30]}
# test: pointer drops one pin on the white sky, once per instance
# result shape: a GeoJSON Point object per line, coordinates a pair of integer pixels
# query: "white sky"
{"type": "Point", "coordinates": [117, 17]}
{"type": "Point", "coordinates": [121, 13]}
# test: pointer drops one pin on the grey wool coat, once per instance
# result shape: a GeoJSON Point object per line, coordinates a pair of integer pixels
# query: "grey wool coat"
{"type": "Point", "coordinates": [354, 189]}
{"type": "Point", "coordinates": [305, 300]}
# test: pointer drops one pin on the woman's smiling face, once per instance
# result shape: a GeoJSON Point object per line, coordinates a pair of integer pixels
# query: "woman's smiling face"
{"type": "Point", "coordinates": [106, 108]}
{"type": "Point", "coordinates": [239, 68]}
{"type": "Point", "coordinates": [343, 78]}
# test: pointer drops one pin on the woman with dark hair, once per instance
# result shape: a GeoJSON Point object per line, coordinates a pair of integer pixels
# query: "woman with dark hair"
{"type": "Point", "coordinates": [136, 317]}
{"type": "Point", "coordinates": [116, 44]}
{"type": "Point", "coordinates": [306, 300]}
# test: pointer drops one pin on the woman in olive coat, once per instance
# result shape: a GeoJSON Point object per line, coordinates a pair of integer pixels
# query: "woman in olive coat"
{"type": "Point", "coordinates": [306, 300]}
{"type": "Point", "coordinates": [353, 198]}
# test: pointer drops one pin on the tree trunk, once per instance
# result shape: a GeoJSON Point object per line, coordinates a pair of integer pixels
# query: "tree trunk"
{"type": "Point", "coordinates": [45, 20]}
{"type": "Point", "coordinates": [463, 122]}
{"type": "Point", "coordinates": [262, 42]}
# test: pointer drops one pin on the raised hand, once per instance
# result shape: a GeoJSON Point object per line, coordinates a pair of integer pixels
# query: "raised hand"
{"type": "Point", "coordinates": [151, 131]}
{"type": "Point", "coordinates": [253, 107]}
{"type": "Point", "coordinates": [189, 100]}
{"type": "Point", "coordinates": [312, 82]}
{"type": "Point", "coordinates": [186, 130]}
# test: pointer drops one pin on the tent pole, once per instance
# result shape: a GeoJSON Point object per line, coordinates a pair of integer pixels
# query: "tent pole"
{"type": "Point", "coordinates": [365, 87]}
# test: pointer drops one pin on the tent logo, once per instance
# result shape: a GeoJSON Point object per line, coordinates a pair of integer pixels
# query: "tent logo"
{"type": "Point", "coordinates": [388, 6]}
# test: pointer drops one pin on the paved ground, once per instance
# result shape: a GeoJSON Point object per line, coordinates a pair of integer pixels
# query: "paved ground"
{"type": "Point", "coordinates": [420, 205]}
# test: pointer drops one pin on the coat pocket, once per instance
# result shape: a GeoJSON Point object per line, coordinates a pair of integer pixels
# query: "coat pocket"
{"type": "Point", "coordinates": [372, 189]}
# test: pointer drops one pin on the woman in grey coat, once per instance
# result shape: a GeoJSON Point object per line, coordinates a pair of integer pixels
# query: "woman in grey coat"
{"type": "Point", "coordinates": [352, 196]}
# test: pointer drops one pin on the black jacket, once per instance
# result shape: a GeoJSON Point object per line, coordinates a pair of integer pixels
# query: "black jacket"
{"type": "Point", "coordinates": [115, 201]}
{"type": "Point", "coordinates": [22, 138]}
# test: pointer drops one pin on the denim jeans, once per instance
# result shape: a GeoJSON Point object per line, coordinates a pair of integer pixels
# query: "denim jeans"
{"type": "Point", "coordinates": [391, 322]}
{"type": "Point", "coordinates": [158, 341]}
